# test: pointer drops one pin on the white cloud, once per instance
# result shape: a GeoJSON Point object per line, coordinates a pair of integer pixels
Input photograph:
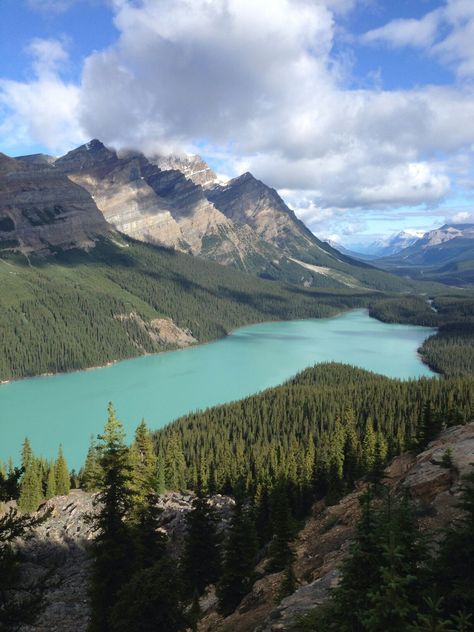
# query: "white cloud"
{"type": "Point", "coordinates": [446, 33]}
{"type": "Point", "coordinates": [408, 32]}
{"type": "Point", "coordinates": [462, 217]}
{"type": "Point", "coordinates": [44, 110]}
{"type": "Point", "coordinates": [256, 84]}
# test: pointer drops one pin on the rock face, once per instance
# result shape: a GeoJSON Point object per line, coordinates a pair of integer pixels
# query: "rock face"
{"type": "Point", "coordinates": [161, 206]}
{"type": "Point", "coordinates": [41, 210]}
{"type": "Point", "coordinates": [249, 201]}
{"type": "Point", "coordinates": [178, 202]}
{"type": "Point", "coordinates": [57, 556]}
{"type": "Point", "coordinates": [192, 167]}
{"type": "Point", "coordinates": [323, 543]}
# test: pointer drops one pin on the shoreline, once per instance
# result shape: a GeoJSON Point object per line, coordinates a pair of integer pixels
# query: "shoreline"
{"type": "Point", "coordinates": [111, 363]}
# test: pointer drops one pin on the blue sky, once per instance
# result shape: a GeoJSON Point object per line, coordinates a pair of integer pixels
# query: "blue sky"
{"type": "Point", "coordinates": [360, 112]}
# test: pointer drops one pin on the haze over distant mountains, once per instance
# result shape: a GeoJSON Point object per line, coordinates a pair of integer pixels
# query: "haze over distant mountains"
{"type": "Point", "coordinates": [445, 254]}
{"type": "Point", "coordinates": [176, 202]}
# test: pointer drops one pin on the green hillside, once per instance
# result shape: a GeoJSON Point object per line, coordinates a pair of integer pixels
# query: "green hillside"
{"type": "Point", "coordinates": [72, 310]}
{"type": "Point", "coordinates": [331, 415]}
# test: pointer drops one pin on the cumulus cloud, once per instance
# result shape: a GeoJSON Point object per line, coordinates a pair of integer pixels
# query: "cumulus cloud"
{"type": "Point", "coordinates": [446, 33]}
{"type": "Point", "coordinates": [257, 86]}
{"type": "Point", "coordinates": [44, 110]}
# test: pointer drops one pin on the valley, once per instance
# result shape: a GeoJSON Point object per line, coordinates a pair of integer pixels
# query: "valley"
{"type": "Point", "coordinates": [160, 388]}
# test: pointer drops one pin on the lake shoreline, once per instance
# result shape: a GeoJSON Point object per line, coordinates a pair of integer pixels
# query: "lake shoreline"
{"type": "Point", "coordinates": [111, 363]}
{"type": "Point", "coordinates": [166, 386]}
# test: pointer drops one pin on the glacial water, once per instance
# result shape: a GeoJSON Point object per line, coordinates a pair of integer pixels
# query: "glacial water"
{"type": "Point", "coordinates": [69, 408]}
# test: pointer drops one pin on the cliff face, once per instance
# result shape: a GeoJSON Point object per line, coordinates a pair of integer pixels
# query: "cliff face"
{"type": "Point", "coordinates": [161, 206]}
{"type": "Point", "coordinates": [41, 210]}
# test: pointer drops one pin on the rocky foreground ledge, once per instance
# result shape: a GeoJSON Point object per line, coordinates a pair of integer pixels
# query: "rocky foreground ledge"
{"type": "Point", "coordinates": [57, 555]}
{"type": "Point", "coordinates": [325, 539]}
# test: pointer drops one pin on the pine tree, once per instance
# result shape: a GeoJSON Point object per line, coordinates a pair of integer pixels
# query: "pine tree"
{"type": "Point", "coordinates": [31, 493]}
{"type": "Point", "coordinates": [239, 559]}
{"type": "Point", "coordinates": [91, 475]}
{"type": "Point", "coordinates": [113, 546]}
{"type": "Point", "coordinates": [200, 563]}
{"type": "Point", "coordinates": [143, 464]}
{"type": "Point", "coordinates": [63, 483]}
{"type": "Point", "coordinates": [51, 482]}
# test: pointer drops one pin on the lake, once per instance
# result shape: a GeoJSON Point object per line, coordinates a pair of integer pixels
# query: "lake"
{"type": "Point", "coordinates": [69, 408]}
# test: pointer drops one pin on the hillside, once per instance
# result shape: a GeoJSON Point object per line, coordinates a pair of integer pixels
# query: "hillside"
{"type": "Point", "coordinates": [123, 298]}
{"type": "Point", "coordinates": [325, 540]}
{"type": "Point", "coordinates": [58, 553]}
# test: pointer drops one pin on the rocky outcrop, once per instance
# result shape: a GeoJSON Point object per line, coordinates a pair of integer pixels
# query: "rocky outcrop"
{"type": "Point", "coordinates": [324, 542]}
{"type": "Point", "coordinates": [56, 559]}
{"type": "Point", "coordinates": [192, 167]}
{"type": "Point", "coordinates": [163, 331]}
{"type": "Point", "coordinates": [41, 210]}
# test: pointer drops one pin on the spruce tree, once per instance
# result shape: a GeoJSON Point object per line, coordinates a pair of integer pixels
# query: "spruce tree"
{"type": "Point", "coordinates": [149, 602]}
{"type": "Point", "coordinates": [160, 475]}
{"type": "Point", "coordinates": [143, 464]}
{"type": "Point", "coordinates": [51, 482]}
{"type": "Point", "coordinates": [453, 569]}
{"type": "Point", "coordinates": [31, 493]}
{"type": "Point", "coordinates": [283, 524]}
{"type": "Point", "coordinates": [175, 464]}
{"type": "Point", "coordinates": [19, 604]}
{"type": "Point", "coordinates": [201, 564]}
{"type": "Point", "coordinates": [63, 482]}
{"type": "Point", "coordinates": [240, 555]}
{"type": "Point", "coordinates": [26, 454]}
{"type": "Point", "coordinates": [113, 546]}
{"type": "Point", "coordinates": [91, 474]}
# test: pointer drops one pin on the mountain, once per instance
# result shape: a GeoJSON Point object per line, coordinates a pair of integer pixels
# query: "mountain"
{"type": "Point", "coordinates": [445, 254]}
{"type": "Point", "coordinates": [385, 246]}
{"type": "Point", "coordinates": [41, 210]}
{"type": "Point", "coordinates": [163, 206]}
{"type": "Point", "coordinates": [395, 243]}
{"type": "Point", "coordinates": [178, 202]}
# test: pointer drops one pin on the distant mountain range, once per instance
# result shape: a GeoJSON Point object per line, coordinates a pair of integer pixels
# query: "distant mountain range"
{"type": "Point", "coordinates": [445, 254]}
{"type": "Point", "coordinates": [177, 202]}
{"type": "Point", "coordinates": [381, 247]}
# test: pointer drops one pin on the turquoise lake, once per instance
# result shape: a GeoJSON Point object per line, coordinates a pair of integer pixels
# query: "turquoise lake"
{"type": "Point", "coordinates": [69, 408]}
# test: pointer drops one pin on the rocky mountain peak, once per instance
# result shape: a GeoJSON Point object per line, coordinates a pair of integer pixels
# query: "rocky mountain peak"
{"type": "Point", "coordinates": [41, 210]}
{"type": "Point", "coordinates": [193, 167]}
{"type": "Point", "coordinates": [8, 164]}
{"type": "Point", "coordinates": [86, 157]}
